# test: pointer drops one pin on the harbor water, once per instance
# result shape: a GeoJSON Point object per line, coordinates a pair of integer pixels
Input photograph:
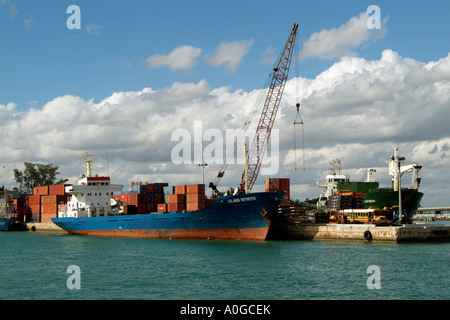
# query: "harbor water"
{"type": "Point", "coordinates": [50, 265]}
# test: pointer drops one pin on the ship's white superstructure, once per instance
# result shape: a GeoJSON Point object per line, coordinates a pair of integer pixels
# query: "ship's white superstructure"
{"type": "Point", "coordinates": [91, 197]}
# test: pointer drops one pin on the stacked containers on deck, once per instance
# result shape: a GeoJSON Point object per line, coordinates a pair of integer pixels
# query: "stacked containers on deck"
{"type": "Point", "coordinates": [45, 202]}
{"type": "Point", "coordinates": [195, 197]}
{"type": "Point", "coordinates": [279, 184]}
{"type": "Point", "coordinates": [142, 198]}
{"type": "Point", "coordinates": [344, 199]}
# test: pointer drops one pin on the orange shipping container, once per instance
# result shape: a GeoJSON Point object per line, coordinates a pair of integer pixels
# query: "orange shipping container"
{"type": "Point", "coordinates": [180, 189]}
{"type": "Point", "coordinates": [33, 200]}
{"type": "Point", "coordinates": [193, 206]}
{"type": "Point", "coordinates": [195, 197]}
{"type": "Point", "coordinates": [195, 188]}
{"type": "Point", "coordinates": [34, 208]}
{"type": "Point", "coordinates": [57, 189]}
{"type": "Point", "coordinates": [178, 207]}
{"type": "Point", "coordinates": [47, 217]}
{"type": "Point", "coordinates": [53, 199]}
{"type": "Point", "coordinates": [272, 184]}
{"type": "Point", "coordinates": [176, 198]}
{"type": "Point", "coordinates": [161, 207]}
{"type": "Point", "coordinates": [49, 208]}
{"type": "Point", "coordinates": [40, 191]}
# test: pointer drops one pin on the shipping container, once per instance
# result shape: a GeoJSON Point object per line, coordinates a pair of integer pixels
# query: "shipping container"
{"type": "Point", "coordinates": [57, 189]}
{"type": "Point", "coordinates": [33, 200]}
{"type": "Point", "coordinates": [195, 197]}
{"type": "Point", "coordinates": [176, 198]}
{"type": "Point", "coordinates": [162, 207]}
{"type": "Point", "coordinates": [53, 199]}
{"type": "Point", "coordinates": [151, 197]}
{"type": "Point", "coordinates": [193, 206]}
{"type": "Point", "coordinates": [159, 197]}
{"type": "Point", "coordinates": [135, 188]}
{"type": "Point", "coordinates": [195, 188]}
{"type": "Point", "coordinates": [284, 183]}
{"type": "Point", "coordinates": [178, 207]}
{"type": "Point", "coordinates": [151, 207]}
{"type": "Point", "coordinates": [40, 191]}
{"type": "Point", "coordinates": [49, 208]}
{"type": "Point", "coordinates": [47, 217]}
{"type": "Point", "coordinates": [179, 189]}
{"type": "Point", "coordinates": [272, 184]}
{"type": "Point", "coordinates": [159, 186]}
{"type": "Point", "coordinates": [169, 190]}
{"type": "Point", "coordinates": [34, 208]}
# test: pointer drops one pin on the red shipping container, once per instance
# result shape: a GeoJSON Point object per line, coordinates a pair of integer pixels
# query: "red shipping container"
{"type": "Point", "coordinates": [176, 198]}
{"type": "Point", "coordinates": [284, 183]}
{"type": "Point", "coordinates": [19, 203]}
{"type": "Point", "coordinates": [159, 197]}
{"type": "Point", "coordinates": [34, 208]}
{"type": "Point", "coordinates": [57, 189]}
{"type": "Point", "coordinates": [195, 188]}
{"type": "Point", "coordinates": [272, 184]}
{"type": "Point", "coordinates": [195, 197]}
{"type": "Point", "coordinates": [150, 187]}
{"type": "Point", "coordinates": [193, 206]}
{"type": "Point", "coordinates": [136, 198]}
{"type": "Point", "coordinates": [178, 207]}
{"type": "Point", "coordinates": [47, 217]}
{"type": "Point", "coordinates": [53, 199]}
{"type": "Point", "coordinates": [33, 200]}
{"type": "Point", "coordinates": [49, 208]}
{"type": "Point", "coordinates": [151, 207]}
{"type": "Point", "coordinates": [161, 207]}
{"type": "Point", "coordinates": [40, 191]}
{"type": "Point", "coordinates": [180, 189]}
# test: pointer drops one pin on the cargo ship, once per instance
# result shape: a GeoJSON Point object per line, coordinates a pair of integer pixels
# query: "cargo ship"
{"type": "Point", "coordinates": [7, 211]}
{"type": "Point", "coordinates": [91, 211]}
{"type": "Point", "coordinates": [372, 195]}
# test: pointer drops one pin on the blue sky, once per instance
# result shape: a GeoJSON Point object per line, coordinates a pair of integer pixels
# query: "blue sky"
{"type": "Point", "coordinates": [138, 70]}
{"type": "Point", "coordinates": [42, 59]}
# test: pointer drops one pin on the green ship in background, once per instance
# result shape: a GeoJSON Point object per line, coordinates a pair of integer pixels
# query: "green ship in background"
{"type": "Point", "coordinates": [374, 196]}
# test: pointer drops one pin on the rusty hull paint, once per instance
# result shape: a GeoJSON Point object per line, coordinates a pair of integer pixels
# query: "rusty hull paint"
{"type": "Point", "coordinates": [210, 234]}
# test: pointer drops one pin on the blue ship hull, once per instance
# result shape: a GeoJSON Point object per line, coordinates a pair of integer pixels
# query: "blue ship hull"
{"type": "Point", "coordinates": [238, 217]}
{"type": "Point", "coordinates": [5, 224]}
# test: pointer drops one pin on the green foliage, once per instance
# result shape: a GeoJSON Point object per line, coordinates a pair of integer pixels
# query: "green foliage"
{"type": "Point", "coordinates": [36, 175]}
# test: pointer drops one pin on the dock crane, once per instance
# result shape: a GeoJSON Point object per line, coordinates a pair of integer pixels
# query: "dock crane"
{"type": "Point", "coordinates": [267, 118]}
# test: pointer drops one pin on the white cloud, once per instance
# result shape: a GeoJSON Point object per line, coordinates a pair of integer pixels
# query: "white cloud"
{"type": "Point", "coordinates": [181, 58]}
{"type": "Point", "coordinates": [338, 42]}
{"type": "Point", "coordinates": [357, 110]}
{"type": "Point", "coordinates": [230, 54]}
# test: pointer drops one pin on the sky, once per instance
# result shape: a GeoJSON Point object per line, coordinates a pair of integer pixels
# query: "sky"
{"type": "Point", "coordinates": [133, 82]}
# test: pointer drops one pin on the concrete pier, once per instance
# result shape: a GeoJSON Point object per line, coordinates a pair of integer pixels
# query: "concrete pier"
{"type": "Point", "coordinates": [42, 226]}
{"type": "Point", "coordinates": [365, 232]}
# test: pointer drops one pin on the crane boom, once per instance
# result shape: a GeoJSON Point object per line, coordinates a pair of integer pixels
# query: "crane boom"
{"type": "Point", "coordinates": [269, 112]}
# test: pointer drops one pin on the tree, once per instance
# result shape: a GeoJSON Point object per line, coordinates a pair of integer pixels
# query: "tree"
{"type": "Point", "coordinates": [36, 175]}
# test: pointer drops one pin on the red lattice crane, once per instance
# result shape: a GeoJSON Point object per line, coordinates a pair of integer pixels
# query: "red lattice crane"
{"type": "Point", "coordinates": [267, 118]}
{"type": "Point", "coordinates": [269, 112]}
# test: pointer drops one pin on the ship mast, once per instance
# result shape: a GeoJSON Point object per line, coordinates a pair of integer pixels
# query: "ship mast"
{"type": "Point", "coordinates": [88, 158]}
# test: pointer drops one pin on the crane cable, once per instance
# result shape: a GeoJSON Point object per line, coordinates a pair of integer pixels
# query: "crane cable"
{"type": "Point", "coordinates": [298, 116]}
